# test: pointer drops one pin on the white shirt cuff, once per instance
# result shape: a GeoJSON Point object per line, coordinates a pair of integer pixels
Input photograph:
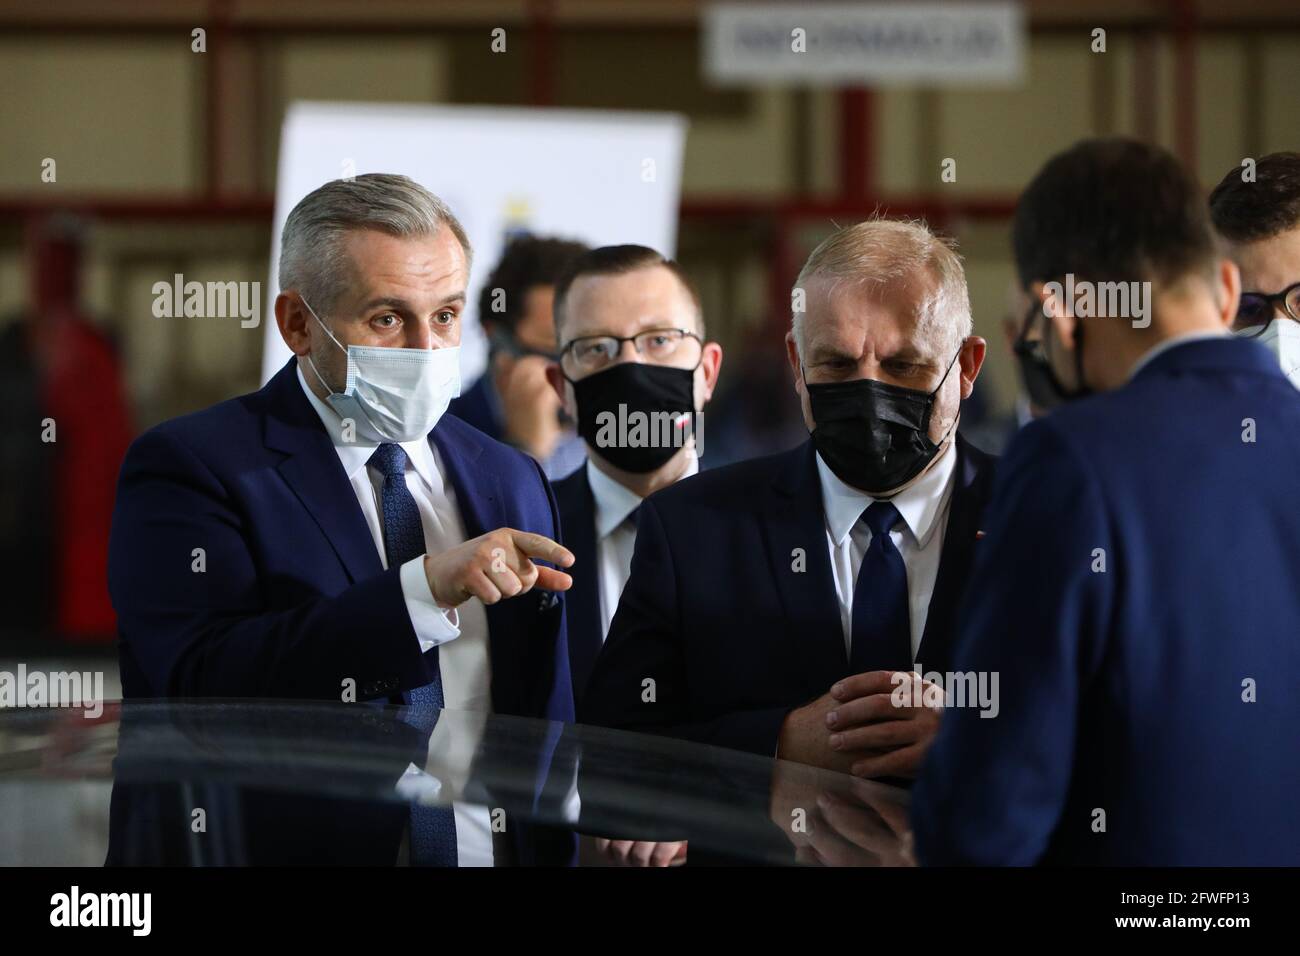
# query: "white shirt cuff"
{"type": "Point", "coordinates": [433, 625]}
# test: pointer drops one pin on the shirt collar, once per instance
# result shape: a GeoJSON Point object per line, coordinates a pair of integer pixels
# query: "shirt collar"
{"type": "Point", "coordinates": [355, 454]}
{"type": "Point", "coordinates": [919, 505]}
{"type": "Point", "coordinates": [1173, 342]}
{"type": "Point", "coordinates": [614, 502]}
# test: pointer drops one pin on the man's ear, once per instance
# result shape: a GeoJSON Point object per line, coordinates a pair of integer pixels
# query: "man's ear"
{"type": "Point", "coordinates": [971, 360]}
{"type": "Point", "coordinates": [1228, 291]}
{"type": "Point", "coordinates": [291, 317]}
{"type": "Point", "coordinates": [711, 366]}
{"type": "Point", "coordinates": [796, 364]}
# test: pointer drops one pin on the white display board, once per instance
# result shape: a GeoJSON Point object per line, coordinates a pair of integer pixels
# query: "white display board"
{"type": "Point", "coordinates": [599, 177]}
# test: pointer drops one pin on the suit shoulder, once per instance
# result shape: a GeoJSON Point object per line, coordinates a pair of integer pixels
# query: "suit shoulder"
{"type": "Point", "coordinates": [736, 483]}
{"type": "Point", "coordinates": [216, 428]}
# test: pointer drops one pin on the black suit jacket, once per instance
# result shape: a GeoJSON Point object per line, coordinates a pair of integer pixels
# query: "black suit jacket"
{"type": "Point", "coordinates": [731, 609]}
{"type": "Point", "coordinates": [577, 510]}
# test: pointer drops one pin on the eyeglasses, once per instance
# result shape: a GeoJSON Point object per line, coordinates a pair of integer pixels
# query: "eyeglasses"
{"type": "Point", "coordinates": [1024, 345]}
{"type": "Point", "coordinates": [591, 353]}
{"type": "Point", "coordinates": [1256, 309]}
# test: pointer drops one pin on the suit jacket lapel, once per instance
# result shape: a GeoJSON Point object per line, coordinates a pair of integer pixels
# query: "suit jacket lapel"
{"type": "Point", "coordinates": [312, 469]}
{"type": "Point", "coordinates": [969, 495]}
{"type": "Point", "coordinates": [794, 524]}
{"type": "Point", "coordinates": [477, 491]}
{"type": "Point", "coordinates": [478, 497]}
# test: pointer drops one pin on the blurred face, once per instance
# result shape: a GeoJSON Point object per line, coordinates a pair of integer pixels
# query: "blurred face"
{"type": "Point", "coordinates": [638, 304]}
{"type": "Point", "coordinates": [403, 293]}
{"type": "Point", "coordinates": [857, 331]}
{"type": "Point", "coordinates": [535, 330]}
{"type": "Point", "coordinates": [533, 335]}
{"type": "Point", "coordinates": [1268, 266]}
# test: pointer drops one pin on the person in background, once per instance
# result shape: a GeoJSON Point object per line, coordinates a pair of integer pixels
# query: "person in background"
{"type": "Point", "coordinates": [1136, 589]}
{"type": "Point", "coordinates": [631, 333]}
{"type": "Point", "coordinates": [71, 429]}
{"type": "Point", "coordinates": [631, 336]}
{"type": "Point", "coordinates": [775, 605]}
{"type": "Point", "coordinates": [511, 401]}
{"type": "Point", "coordinates": [1259, 216]}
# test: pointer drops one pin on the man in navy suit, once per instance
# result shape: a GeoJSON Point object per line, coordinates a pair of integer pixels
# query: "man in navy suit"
{"type": "Point", "coordinates": [776, 605]}
{"type": "Point", "coordinates": [628, 317]}
{"type": "Point", "coordinates": [335, 536]}
{"type": "Point", "coordinates": [1137, 588]}
{"type": "Point", "coordinates": [631, 333]}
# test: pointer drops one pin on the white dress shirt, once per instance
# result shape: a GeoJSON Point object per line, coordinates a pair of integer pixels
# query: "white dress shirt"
{"type": "Point", "coordinates": [615, 536]}
{"type": "Point", "coordinates": [461, 635]}
{"type": "Point", "coordinates": [923, 507]}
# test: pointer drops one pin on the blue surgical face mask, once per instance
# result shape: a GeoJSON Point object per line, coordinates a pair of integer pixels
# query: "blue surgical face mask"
{"type": "Point", "coordinates": [1282, 338]}
{"type": "Point", "coordinates": [393, 395]}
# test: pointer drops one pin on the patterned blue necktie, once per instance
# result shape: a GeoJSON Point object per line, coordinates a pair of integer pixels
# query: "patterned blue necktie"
{"type": "Point", "coordinates": [433, 829]}
{"type": "Point", "coordinates": [882, 632]}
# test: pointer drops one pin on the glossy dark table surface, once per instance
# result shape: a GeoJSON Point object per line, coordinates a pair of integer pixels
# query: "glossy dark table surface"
{"type": "Point", "coordinates": [273, 776]}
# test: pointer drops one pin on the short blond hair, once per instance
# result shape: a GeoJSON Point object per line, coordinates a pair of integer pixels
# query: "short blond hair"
{"type": "Point", "coordinates": [888, 252]}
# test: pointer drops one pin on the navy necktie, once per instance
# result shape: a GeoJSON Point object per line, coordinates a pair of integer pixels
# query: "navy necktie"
{"type": "Point", "coordinates": [433, 829]}
{"type": "Point", "coordinates": [882, 633]}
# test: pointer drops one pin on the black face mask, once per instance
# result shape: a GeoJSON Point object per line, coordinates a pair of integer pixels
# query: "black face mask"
{"type": "Point", "coordinates": [1045, 389]}
{"type": "Point", "coordinates": [636, 416]}
{"type": "Point", "coordinates": [873, 435]}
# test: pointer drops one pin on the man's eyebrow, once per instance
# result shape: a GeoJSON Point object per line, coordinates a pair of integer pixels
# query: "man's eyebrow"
{"type": "Point", "coordinates": [823, 352]}
{"type": "Point", "coordinates": [397, 302]}
{"type": "Point", "coordinates": [910, 353]}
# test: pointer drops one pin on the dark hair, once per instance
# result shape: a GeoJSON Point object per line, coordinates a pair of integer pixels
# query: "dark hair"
{"type": "Point", "coordinates": [1111, 210]}
{"type": "Point", "coordinates": [617, 260]}
{"type": "Point", "coordinates": [1248, 211]}
{"type": "Point", "coordinates": [528, 262]}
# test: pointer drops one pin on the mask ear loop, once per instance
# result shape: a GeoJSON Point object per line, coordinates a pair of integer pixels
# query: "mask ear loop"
{"type": "Point", "coordinates": [320, 378]}
{"type": "Point", "coordinates": [957, 417]}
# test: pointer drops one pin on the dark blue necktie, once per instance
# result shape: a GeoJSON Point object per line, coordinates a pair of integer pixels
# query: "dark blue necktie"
{"type": "Point", "coordinates": [433, 829]}
{"type": "Point", "coordinates": [882, 633]}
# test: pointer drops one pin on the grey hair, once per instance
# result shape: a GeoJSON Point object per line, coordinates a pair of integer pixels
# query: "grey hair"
{"type": "Point", "coordinates": [311, 246]}
{"type": "Point", "coordinates": [888, 252]}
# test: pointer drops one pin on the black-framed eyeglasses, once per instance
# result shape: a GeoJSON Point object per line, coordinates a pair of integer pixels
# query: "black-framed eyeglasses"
{"type": "Point", "coordinates": [1256, 310]}
{"type": "Point", "coordinates": [591, 353]}
{"type": "Point", "coordinates": [1024, 345]}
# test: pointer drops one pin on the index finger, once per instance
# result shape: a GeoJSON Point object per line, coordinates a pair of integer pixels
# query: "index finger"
{"type": "Point", "coordinates": [861, 685]}
{"type": "Point", "coordinates": [540, 546]}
